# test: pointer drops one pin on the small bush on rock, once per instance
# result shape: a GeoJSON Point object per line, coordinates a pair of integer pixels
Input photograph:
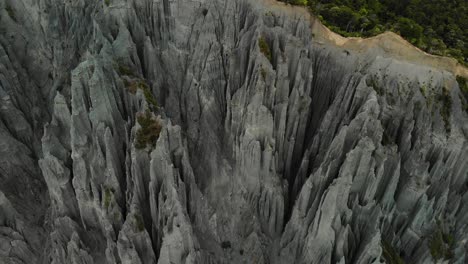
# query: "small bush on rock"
{"type": "Point", "coordinates": [124, 70]}
{"type": "Point", "coordinates": [441, 244]}
{"type": "Point", "coordinates": [149, 132]}
{"type": "Point", "coordinates": [133, 86]}
{"type": "Point", "coordinates": [264, 48]}
{"type": "Point", "coordinates": [390, 255]}
{"type": "Point", "coordinates": [140, 225]}
{"type": "Point", "coordinates": [107, 197]}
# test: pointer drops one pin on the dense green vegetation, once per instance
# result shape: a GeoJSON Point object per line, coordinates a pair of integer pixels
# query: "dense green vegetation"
{"type": "Point", "coordinates": [438, 27]}
{"type": "Point", "coordinates": [390, 255]}
{"type": "Point", "coordinates": [441, 244]}
{"type": "Point", "coordinates": [148, 94]}
{"type": "Point", "coordinates": [123, 69]}
{"type": "Point", "coordinates": [139, 224]}
{"type": "Point", "coordinates": [150, 129]}
{"type": "Point", "coordinates": [264, 48]}
{"type": "Point", "coordinates": [134, 84]}
{"type": "Point", "coordinates": [149, 132]}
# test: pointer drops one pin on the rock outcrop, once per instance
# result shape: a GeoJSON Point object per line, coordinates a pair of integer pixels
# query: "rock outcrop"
{"type": "Point", "coordinates": [213, 131]}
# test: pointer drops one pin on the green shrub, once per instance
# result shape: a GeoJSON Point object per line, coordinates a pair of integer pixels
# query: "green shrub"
{"type": "Point", "coordinates": [107, 2]}
{"type": "Point", "coordinates": [441, 244]}
{"type": "Point", "coordinates": [123, 69]}
{"type": "Point", "coordinates": [140, 225]}
{"type": "Point", "coordinates": [134, 85]}
{"type": "Point", "coordinates": [149, 132]}
{"type": "Point", "coordinates": [390, 255]}
{"type": "Point", "coordinates": [11, 12]}
{"type": "Point", "coordinates": [423, 89]}
{"type": "Point", "coordinates": [409, 29]}
{"type": "Point", "coordinates": [107, 197]}
{"type": "Point", "coordinates": [298, 2]}
{"type": "Point", "coordinates": [148, 94]}
{"type": "Point", "coordinates": [264, 48]}
{"type": "Point", "coordinates": [463, 84]}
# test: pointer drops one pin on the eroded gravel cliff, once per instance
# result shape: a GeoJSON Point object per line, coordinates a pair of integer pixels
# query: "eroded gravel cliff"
{"type": "Point", "coordinates": [274, 147]}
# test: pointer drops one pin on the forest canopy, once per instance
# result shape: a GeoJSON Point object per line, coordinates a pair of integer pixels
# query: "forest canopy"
{"type": "Point", "coordinates": [437, 27]}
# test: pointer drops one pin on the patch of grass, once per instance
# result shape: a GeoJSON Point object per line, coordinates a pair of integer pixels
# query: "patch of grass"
{"type": "Point", "coordinates": [264, 48]}
{"type": "Point", "coordinates": [149, 132]}
{"type": "Point", "coordinates": [140, 225]}
{"type": "Point", "coordinates": [423, 89]}
{"type": "Point", "coordinates": [122, 69]}
{"type": "Point", "coordinates": [148, 94]}
{"type": "Point", "coordinates": [441, 244]}
{"type": "Point", "coordinates": [11, 12]}
{"type": "Point", "coordinates": [107, 197]}
{"type": "Point", "coordinates": [449, 239]}
{"type": "Point", "coordinates": [133, 86]}
{"type": "Point", "coordinates": [390, 255]}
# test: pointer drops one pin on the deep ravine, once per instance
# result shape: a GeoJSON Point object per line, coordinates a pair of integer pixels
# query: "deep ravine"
{"type": "Point", "coordinates": [164, 131]}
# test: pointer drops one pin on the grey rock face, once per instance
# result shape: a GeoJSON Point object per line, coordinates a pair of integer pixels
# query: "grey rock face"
{"type": "Point", "coordinates": [299, 153]}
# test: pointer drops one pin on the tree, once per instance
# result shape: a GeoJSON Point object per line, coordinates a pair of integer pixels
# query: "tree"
{"type": "Point", "coordinates": [409, 29]}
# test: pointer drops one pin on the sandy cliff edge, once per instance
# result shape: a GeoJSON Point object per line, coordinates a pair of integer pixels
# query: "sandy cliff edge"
{"type": "Point", "coordinates": [387, 44]}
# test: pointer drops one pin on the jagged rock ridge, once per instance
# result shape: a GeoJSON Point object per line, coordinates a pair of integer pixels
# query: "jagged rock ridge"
{"type": "Point", "coordinates": [289, 152]}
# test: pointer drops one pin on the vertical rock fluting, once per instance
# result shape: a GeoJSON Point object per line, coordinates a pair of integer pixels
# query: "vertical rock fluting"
{"type": "Point", "coordinates": [273, 147]}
